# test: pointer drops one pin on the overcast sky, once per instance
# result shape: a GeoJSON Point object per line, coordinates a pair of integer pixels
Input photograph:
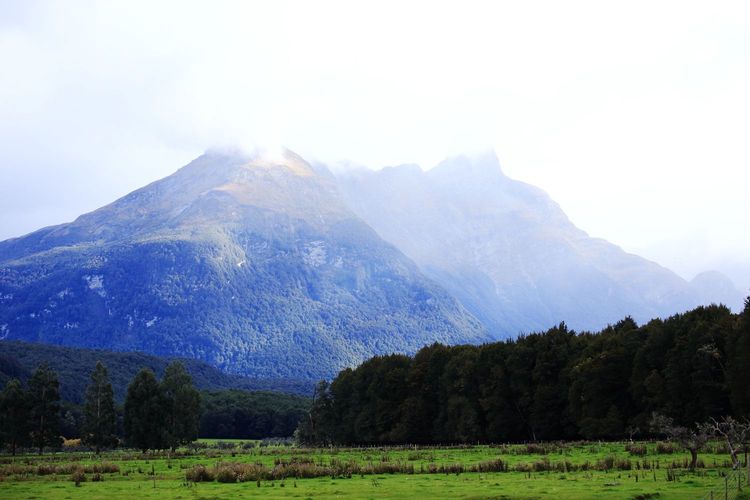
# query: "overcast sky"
{"type": "Point", "coordinates": [634, 116]}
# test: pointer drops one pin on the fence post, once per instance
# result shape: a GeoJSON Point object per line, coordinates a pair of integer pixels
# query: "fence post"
{"type": "Point", "coordinates": [726, 487]}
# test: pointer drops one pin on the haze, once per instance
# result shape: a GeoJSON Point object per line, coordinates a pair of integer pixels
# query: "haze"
{"type": "Point", "coordinates": [632, 116]}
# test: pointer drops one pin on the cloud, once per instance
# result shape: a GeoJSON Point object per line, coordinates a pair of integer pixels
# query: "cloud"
{"type": "Point", "coordinates": [632, 116]}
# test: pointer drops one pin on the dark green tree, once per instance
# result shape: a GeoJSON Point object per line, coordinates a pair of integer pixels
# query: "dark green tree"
{"type": "Point", "coordinates": [182, 406]}
{"type": "Point", "coordinates": [99, 411]}
{"type": "Point", "coordinates": [552, 385]}
{"type": "Point", "coordinates": [144, 413]}
{"type": "Point", "coordinates": [739, 368]}
{"type": "Point", "coordinates": [599, 397]}
{"type": "Point", "coordinates": [44, 402]}
{"type": "Point", "coordinates": [316, 428]}
{"type": "Point", "coordinates": [14, 415]}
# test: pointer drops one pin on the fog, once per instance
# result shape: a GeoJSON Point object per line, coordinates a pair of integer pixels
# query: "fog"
{"type": "Point", "coordinates": [633, 117]}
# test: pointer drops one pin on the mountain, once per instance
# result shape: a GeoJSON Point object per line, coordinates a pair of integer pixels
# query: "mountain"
{"type": "Point", "coordinates": [74, 365]}
{"type": "Point", "coordinates": [713, 286]}
{"type": "Point", "coordinates": [251, 263]}
{"type": "Point", "coordinates": [508, 252]}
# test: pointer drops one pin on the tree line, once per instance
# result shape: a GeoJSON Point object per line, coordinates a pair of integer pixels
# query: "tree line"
{"type": "Point", "coordinates": [157, 414]}
{"type": "Point", "coordinates": [19, 360]}
{"type": "Point", "coordinates": [690, 368]}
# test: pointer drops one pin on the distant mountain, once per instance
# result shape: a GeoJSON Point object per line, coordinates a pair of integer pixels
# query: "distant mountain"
{"type": "Point", "coordinates": [510, 254]}
{"type": "Point", "coordinates": [74, 366]}
{"type": "Point", "coordinates": [251, 263]}
{"type": "Point", "coordinates": [713, 286]}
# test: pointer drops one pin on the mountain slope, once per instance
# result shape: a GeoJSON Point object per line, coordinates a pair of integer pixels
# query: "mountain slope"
{"type": "Point", "coordinates": [74, 365]}
{"type": "Point", "coordinates": [507, 251]}
{"type": "Point", "coordinates": [253, 264]}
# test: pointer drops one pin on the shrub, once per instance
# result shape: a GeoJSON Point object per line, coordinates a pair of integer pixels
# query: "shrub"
{"type": "Point", "coordinates": [665, 448]}
{"type": "Point", "coordinates": [606, 463]}
{"type": "Point", "coordinates": [623, 464]}
{"type": "Point", "coordinates": [198, 473]}
{"type": "Point", "coordinates": [535, 449]}
{"type": "Point", "coordinates": [103, 468]}
{"type": "Point", "coordinates": [490, 466]}
{"type": "Point", "coordinates": [541, 465]}
{"type": "Point", "coordinates": [226, 474]}
{"type": "Point", "coordinates": [637, 450]}
{"type": "Point", "coordinates": [46, 469]}
{"type": "Point", "coordinates": [78, 476]}
{"type": "Point", "coordinates": [523, 467]}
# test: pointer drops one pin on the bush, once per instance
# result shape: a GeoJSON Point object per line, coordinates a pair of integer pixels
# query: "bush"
{"type": "Point", "coordinates": [78, 476]}
{"type": "Point", "coordinates": [535, 449]}
{"type": "Point", "coordinates": [490, 466]}
{"type": "Point", "coordinates": [46, 469]}
{"type": "Point", "coordinates": [665, 448]}
{"type": "Point", "coordinates": [522, 467]}
{"type": "Point", "coordinates": [226, 474]}
{"type": "Point", "coordinates": [637, 450]}
{"type": "Point", "coordinates": [198, 473]}
{"type": "Point", "coordinates": [103, 468]}
{"type": "Point", "coordinates": [541, 465]}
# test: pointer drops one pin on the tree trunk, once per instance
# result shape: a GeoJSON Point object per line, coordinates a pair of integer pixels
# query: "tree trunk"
{"type": "Point", "coordinates": [693, 458]}
{"type": "Point", "coordinates": [735, 459]}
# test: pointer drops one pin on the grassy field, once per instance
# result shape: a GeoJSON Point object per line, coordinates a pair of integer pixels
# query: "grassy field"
{"type": "Point", "coordinates": [554, 470]}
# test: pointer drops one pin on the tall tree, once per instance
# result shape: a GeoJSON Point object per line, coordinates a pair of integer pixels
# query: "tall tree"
{"type": "Point", "coordinates": [99, 411]}
{"type": "Point", "coordinates": [739, 369]}
{"type": "Point", "coordinates": [44, 401]}
{"type": "Point", "coordinates": [316, 428]}
{"type": "Point", "coordinates": [14, 415]}
{"type": "Point", "coordinates": [182, 406]}
{"type": "Point", "coordinates": [144, 412]}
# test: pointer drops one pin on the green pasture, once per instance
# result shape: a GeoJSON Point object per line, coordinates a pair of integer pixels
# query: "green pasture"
{"type": "Point", "coordinates": [162, 475]}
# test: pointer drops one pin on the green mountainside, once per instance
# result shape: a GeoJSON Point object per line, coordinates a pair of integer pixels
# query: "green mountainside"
{"type": "Point", "coordinates": [74, 366]}
{"type": "Point", "coordinates": [252, 264]}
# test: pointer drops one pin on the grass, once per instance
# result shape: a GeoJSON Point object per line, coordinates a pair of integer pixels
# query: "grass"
{"type": "Point", "coordinates": [554, 470]}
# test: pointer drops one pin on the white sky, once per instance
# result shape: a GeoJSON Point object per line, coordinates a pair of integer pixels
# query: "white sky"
{"type": "Point", "coordinates": [634, 116]}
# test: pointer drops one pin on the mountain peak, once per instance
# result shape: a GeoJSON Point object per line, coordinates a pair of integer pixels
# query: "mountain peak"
{"type": "Point", "coordinates": [251, 262]}
{"type": "Point", "coordinates": [714, 286]}
{"type": "Point", "coordinates": [281, 158]}
{"type": "Point", "coordinates": [482, 165]}
{"type": "Point", "coordinates": [261, 157]}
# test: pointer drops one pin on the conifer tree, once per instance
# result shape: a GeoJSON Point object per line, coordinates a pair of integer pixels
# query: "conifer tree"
{"type": "Point", "coordinates": [182, 405]}
{"type": "Point", "coordinates": [144, 412]}
{"type": "Point", "coordinates": [44, 402]}
{"type": "Point", "coordinates": [99, 411]}
{"type": "Point", "coordinates": [14, 415]}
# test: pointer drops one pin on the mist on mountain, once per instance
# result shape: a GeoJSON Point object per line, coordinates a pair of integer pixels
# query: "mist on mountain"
{"type": "Point", "coordinates": [509, 253]}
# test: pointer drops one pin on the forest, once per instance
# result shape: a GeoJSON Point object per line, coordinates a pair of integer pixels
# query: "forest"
{"type": "Point", "coordinates": [155, 414]}
{"type": "Point", "coordinates": [555, 385]}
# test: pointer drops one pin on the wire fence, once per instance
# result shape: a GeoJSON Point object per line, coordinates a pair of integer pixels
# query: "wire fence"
{"type": "Point", "coordinates": [730, 486]}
